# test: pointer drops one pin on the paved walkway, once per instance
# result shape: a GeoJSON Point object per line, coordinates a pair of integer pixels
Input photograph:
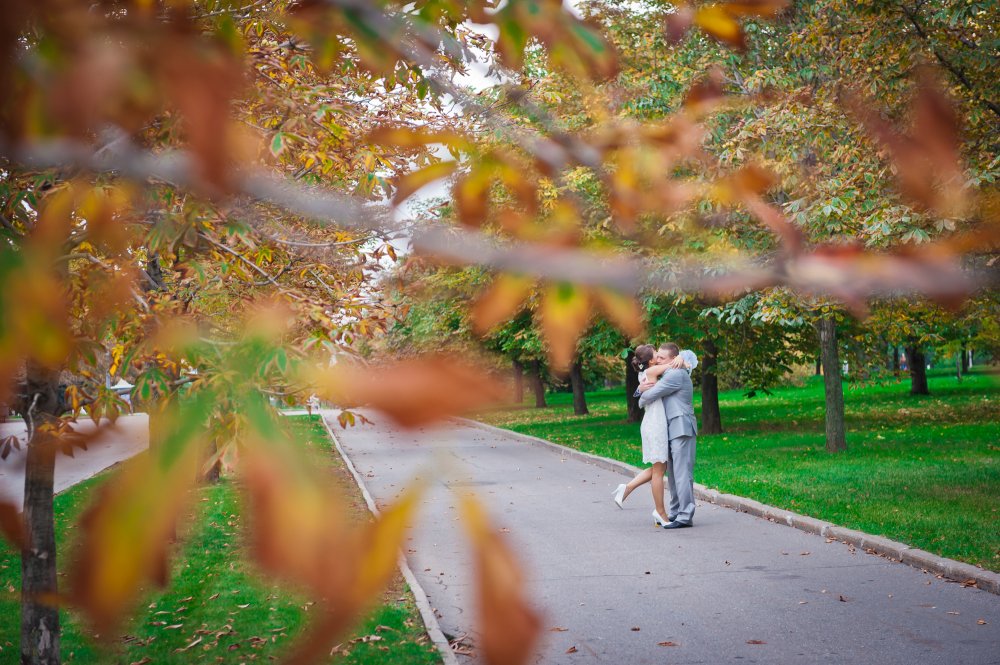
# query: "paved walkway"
{"type": "Point", "coordinates": [619, 587]}
{"type": "Point", "coordinates": [128, 438]}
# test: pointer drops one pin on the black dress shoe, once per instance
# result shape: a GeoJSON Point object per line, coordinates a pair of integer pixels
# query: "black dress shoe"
{"type": "Point", "coordinates": [677, 525]}
{"type": "Point", "coordinates": [671, 518]}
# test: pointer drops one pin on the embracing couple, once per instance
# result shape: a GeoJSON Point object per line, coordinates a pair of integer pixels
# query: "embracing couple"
{"type": "Point", "coordinates": [669, 431]}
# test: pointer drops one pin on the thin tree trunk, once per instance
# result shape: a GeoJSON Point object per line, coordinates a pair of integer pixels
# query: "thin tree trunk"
{"type": "Point", "coordinates": [518, 382]}
{"type": "Point", "coordinates": [958, 366]}
{"type": "Point", "coordinates": [819, 367]}
{"type": "Point", "coordinates": [895, 358]}
{"type": "Point", "coordinates": [711, 416]}
{"type": "Point", "coordinates": [39, 615]}
{"type": "Point", "coordinates": [536, 384]}
{"type": "Point", "coordinates": [965, 360]}
{"type": "Point", "coordinates": [631, 385]}
{"type": "Point", "coordinates": [576, 382]}
{"type": "Point", "coordinates": [918, 371]}
{"type": "Point", "coordinates": [836, 439]}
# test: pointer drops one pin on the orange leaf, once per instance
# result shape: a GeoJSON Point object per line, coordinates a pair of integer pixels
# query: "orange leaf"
{"type": "Point", "coordinates": [622, 310]}
{"type": "Point", "coordinates": [300, 535]}
{"type": "Point", "coordinates": [414, 137]}
{"type": "Point", "coordinates": [471, 194]}
{"type": "Point", "coordinates": [762, 8]}
{"type": "Point", "coordinates": [500, 301]}
{"type": "Point", "coordinates": [413, 392]}
{"type": "Point", "coordinates": [565, 313]}
{"type": "Point", "coordinates": [411, 182]}
{"type": "Point", "coordinates": [509, 626]}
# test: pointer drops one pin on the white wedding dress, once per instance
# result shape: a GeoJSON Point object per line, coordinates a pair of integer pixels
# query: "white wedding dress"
{"type": "Point", "coordinates": [655, 440]}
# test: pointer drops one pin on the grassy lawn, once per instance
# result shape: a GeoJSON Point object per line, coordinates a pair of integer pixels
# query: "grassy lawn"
{"type": "Point", "coordinates": [922, 470]}
{"type": "Point", "coordinates": [215, 596]}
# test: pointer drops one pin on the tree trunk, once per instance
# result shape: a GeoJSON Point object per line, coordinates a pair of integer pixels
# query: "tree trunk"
{"type": "Point", "coordinates": [958, 366]}
{"type": "Point", "coordinates": [536, 384]}
{"type": "Point", "coordinates": [895, 358]}
{"type": "Point", "coordinates": [39, 615]}
{"type": "Point", "coordinates": [965, 360]}
{"type": "Point", "coordinates": [819, 367]}
{"type": "Point", "coordinates": [576, 382]}
{"type": "Point", "coordinates": [711, 417]}
{"type": "Point", "coordinates": [518, 382]}
{"type": "Point", "coordinates": [836, 439]}
{"type": "Point", "coordinates": [631, 385]}
{"type": "Point", "coordinates": [918, 371]}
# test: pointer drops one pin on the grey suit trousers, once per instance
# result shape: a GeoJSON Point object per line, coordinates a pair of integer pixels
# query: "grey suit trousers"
{"type": "Point", "coordinates": [680, 480]}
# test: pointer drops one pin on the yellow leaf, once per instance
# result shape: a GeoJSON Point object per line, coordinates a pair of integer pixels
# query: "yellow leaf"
{"type": "Point", "coordinates": [565, 313]}
{"type": "Point", "coordinates": [717, 22]}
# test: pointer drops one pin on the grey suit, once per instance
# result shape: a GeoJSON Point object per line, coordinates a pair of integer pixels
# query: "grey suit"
{"type": "Point", "coordinates": [675, 390]}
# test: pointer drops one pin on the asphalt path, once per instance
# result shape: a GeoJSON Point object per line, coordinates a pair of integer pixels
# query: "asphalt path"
{"type": "Point", "coordinates": [128, 437]}
{"type": "Point", "coordinates": [612, 588]}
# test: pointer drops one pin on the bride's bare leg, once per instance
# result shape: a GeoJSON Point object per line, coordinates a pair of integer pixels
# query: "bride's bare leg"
{"type": "Point", "coordinates": [657, 486]}
{"type": "Point", "coordinates": [644, 477]}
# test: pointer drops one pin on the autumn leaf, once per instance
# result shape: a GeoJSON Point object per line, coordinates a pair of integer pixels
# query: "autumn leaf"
{"type": "Point", "coordinates": [412, 392]}
{"type": "Point", "coordinates": [509, 627]}
{"type": "Point", "coordinates": [622, 310]}
{"type": "Point", "coordinates": [298, 534]}
{"type": "Point", "coordinates": [415, 137]}
{"type": "Point", "coordinates": [12, 525]}
{"type": "Point", "coordinates": [126, 532]}
{"type": "Point", "coordinates": [501, 300]}
{"type": "Point", "coordinates": [565, 313]}
{"type": "Point", "coordinates": [411, 182]}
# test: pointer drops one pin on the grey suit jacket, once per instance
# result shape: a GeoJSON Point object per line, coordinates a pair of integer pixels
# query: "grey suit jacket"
{"type": "Point", "coordinates": [677, 393]}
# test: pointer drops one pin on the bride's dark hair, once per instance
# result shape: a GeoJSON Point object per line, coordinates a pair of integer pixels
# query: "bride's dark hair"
{"type": "Point", "coordinates": [643, 356]}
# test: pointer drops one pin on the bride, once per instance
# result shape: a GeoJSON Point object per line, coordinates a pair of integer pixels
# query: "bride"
{"type": "Point", "coordinates": [651, 363]}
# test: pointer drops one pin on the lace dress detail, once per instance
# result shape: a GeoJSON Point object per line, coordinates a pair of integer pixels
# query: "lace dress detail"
{"type": "Point", "coordinates": [655, 439]}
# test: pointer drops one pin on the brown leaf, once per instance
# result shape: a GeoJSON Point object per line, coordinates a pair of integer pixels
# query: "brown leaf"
{"type": "Point", "coordinates": [668, 644]}
{"type": "Point", "coordinates": [572, 649]}
{"type": "Point", "coordinates": [791, 236]}
{"type": "Point", "coordinates": [12, 525]}
{"type": "Point", "coordinates": [707, 92]}
{"type": "Point", "coordinates": [415, 391]}
{"type": "Point", "coordinates": [756, 642]}
{"type": "Point", "coordinates": [414, 137]}
{"type": "Point", "coordinates": [509, 627]}
{"type": "Point", "coordinates": [504, 297]}
{"type": "Point", "coordinates": [565, 313]}
{"type": "Point", "coordinates": [558, 629]}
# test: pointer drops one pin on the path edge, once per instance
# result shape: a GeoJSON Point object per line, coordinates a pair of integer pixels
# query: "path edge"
{"type": "Point", "coordinates": [431, 624]}
{"type": "Point", "coordinates": [956, 571]}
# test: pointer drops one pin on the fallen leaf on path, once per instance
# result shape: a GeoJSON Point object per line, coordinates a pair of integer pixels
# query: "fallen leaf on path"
{"type": "Point", "coordinates": [558, 629]}
{"type": "Point", "coordinates": [572, 650]}
{"type": "Point", "coordinates": [844, 599]}
{"type": "Point", "coordinates": [635, 629]}
{"type": "Point", "coordinates": [981, 622]}
{"type": "Point", "coordinates": [756, 642]}
{"type": "Point", "coordinates": [668, 644]}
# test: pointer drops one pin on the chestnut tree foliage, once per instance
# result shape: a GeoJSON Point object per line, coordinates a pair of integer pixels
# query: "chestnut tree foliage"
{"type": "Point", "coordinates": [200, 196]}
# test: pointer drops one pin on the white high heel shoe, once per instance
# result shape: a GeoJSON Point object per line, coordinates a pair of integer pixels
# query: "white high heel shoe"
{"type": "Point", "coordinates": [619, 496]}
{"type": "Point", "coordinates": [659, 521]}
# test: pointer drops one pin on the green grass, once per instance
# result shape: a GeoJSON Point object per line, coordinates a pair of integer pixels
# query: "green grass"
{"type": "Point", "coordinates": [922, 470]}
{"type": "Point", "coordinates": [215, 595]}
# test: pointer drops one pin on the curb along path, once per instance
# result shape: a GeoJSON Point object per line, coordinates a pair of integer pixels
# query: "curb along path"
{"type": "Point", "coordinates": [614, 589]}
{"type": "Point", "coordinates": [957, 571]}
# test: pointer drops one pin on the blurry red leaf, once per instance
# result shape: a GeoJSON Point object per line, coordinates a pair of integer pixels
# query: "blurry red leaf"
{"type": "Point", "coordinates": [509, 627]}
{"type": "Point", "coordinates": [707, 92]}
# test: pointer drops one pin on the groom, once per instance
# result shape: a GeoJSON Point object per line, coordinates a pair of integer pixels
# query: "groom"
{"type": "Point", "coordinates": [677, 393]}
